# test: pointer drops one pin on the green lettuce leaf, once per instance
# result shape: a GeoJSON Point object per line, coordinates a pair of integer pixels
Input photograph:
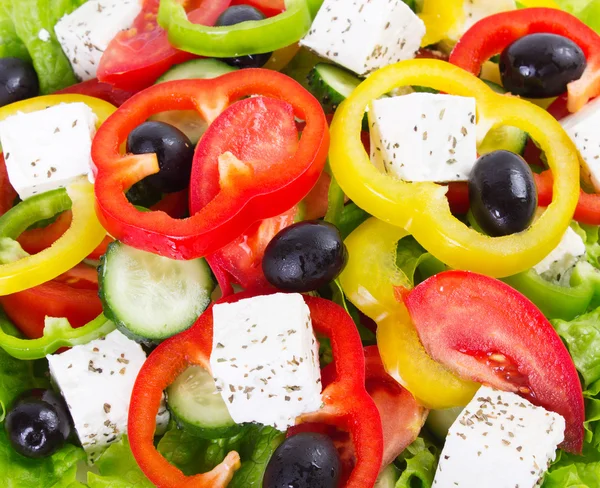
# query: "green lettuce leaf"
{"type": "Point", "coordinates": [56, 471]}
{"type": "Point", "coordinates": [417, 464]}
{"type": "Point", "coordinates": [573, 471]}
{"type": "Point", "coordinates": [118, 469]}
{"type": "Point", "coordinates": [10, 44]}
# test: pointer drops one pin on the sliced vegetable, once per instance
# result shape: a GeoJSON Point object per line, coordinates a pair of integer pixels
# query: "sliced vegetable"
{"type": "Point", "coordinates": [331, 85]}
{"type": "Point", "coordinates": [201, 69]}
{"type": "Point", "coordinates": [151, 297]}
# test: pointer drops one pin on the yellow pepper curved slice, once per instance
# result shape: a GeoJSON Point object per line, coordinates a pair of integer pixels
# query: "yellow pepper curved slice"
{"type": "Point", "coordinates": [422, 208]}
{"type": "Point", "coordinates": [368, 281]}
{"type": "Point", "coordinates": [85, 232]}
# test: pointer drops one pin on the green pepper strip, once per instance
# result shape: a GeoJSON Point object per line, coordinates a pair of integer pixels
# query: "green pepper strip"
{"type": "Point", "coordinates": [39, 207]}
{"type": "Point", "coordinates": [251, 37]}
{"type": "Point", "coordinates": [57, 333]}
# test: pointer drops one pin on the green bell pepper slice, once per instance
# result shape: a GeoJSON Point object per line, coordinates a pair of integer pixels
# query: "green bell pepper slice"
{"type": "Point", "coordinates": [251, 37]}
{"type": "Point", "coordinates": [57, 333]}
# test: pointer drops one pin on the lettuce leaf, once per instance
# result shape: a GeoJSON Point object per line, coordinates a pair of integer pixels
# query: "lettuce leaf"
{"type": "Point", "coordinates": [56, 471]}
{"type": "Point", "coordinates": [417, 464]}
{"type": "Point", "coordinates": [10, 44]}
{"type": "Point", "coordinates": [572, 471]}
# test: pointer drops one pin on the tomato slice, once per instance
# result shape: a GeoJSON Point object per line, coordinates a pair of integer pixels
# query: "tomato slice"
{"type": "Point", "coordinates": [255, 135]}
{"type": "Point", "coordinates": [135, 58]}
{"type": "Point", "coordinates": [484, 330]}
{"type": "Point", "coordinates": [7, 192]}
{"type": "Point", "coordinates": [98, 89]}
{"type": "Point", "coordinates": [73, 295]}
{"type": "Point", "coordinates": [267, 7]}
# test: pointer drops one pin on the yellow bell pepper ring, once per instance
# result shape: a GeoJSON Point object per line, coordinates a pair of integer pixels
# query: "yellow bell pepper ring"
{"type": "Point", "coordinates": [422, 208]}
{"type": "Point", "coordinates": [85, 232]}
{"type": "Point", "coordinates": [368, 280]}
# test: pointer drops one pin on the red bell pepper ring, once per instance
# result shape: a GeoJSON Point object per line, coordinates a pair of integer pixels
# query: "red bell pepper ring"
{"type": "Point", "coordinates": [236, 207]}
{"type": "Point", "coordinates": [98, 89]}
{"type": "Point", "coordinates": [347, 405]}
{"type": "Point", "coordinates": [135, 58]}
{"type": "Point", "coordinates": [492, 34]}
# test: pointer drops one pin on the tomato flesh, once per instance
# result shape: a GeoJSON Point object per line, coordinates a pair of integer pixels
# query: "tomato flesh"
{"type": "Point", "coordinates": [98, 89]}
{"type": "Point", "coordinates": [483, 330]}
{"type": "Point", "coordinates": [268, 7]}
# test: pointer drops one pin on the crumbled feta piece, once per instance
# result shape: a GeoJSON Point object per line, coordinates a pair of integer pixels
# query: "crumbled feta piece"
{"type": "Point", "coordinates": [265, 359]}
{"type": "Point", "coordinates": [475, 10]}
{"type": "Point", "coordinates": [424, 136]}
{"type": "Point", "coordinates": [49, 148]}
{"type": "Point", "coordinates": [582, 127]}
{"type": "Point", "coordinates": [96, 380]}
{"type": "Point", "coordinates": [365, 35]}
{"type": "Point", "coordinates": [563, 257]}
{"type": "Point", "coordinates": [86, 33]}
{"type": "Point", "coordinates": [44, 35]}
{"type": "Point", "coordinates": [500, 441]}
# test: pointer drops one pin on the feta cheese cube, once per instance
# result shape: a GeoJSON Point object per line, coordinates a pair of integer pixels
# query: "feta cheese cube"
{"type": "Point", "coordinates": [582, 127]}
{"type": "Point", "coordinates": [365, 35]}
{"type": "Point", "coordinates": [49, 148]}
{"type": "Point", "coordinates": [424, 136]}
{"type": "Point", "coordinates": [96, 380]}
{"type": "Point", "coordinates": [475, 10]}
{"type": "Point", "coordinates": [85, 33]}
{"type": "Point", "coordinates": [500, 441]}
{"type": "Point", "coordinates": [563, 257]}
{"type": "Point", "coordinates": [265, 359]}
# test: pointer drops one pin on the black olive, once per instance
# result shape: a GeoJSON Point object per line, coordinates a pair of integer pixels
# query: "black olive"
{"type": "Point", "coordinates": [304, 256]}
{"type": "Point", "coordinates": [236, 15]}
{"type": "Point", "coordinates": [38, 424]}
{"type": "Point", "coordinates": [173, 149]}
{"type": "Point", "coordinates": [541, 65]}
{"type": "Point", "coordinates": [304, 460]}
{"type": "Point", "coordinates": [18, 81]}
{"type": "Point", "coordinates": [502, 193]}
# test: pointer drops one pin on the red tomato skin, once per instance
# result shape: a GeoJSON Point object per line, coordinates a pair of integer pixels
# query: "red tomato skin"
{"type": "Point", "coordinates": [98, 89]}
{"type": "Point", "coordinates": [7, 192]}
{"type": "Point", "coordinates": [483, 330]}
{"type": "Point", "coordinates": [268, 7]}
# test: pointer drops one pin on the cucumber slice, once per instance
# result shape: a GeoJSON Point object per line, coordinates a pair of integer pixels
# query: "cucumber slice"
{"type": "Point", "coordinates": [188, 121]}
{"type": "Point", "coordinates": [202, 69]}
{"type": "Point", "coordinates": [504, 137]}
{"type": "Point", "coordinates": [198, 407]}
{"type": "Point", "coordinates": [150, 297]}
{"type": "Point", "coordinates": [388, 477]}
{"type": "Point", "coordinates": [331, 85]}
{"type": "Point", "coordinates": [440, 421]}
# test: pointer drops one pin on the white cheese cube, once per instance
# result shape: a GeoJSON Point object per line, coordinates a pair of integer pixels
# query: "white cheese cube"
{"type": "Point", "coordinates": [365, 35]}
{"type": "Point", "coordinates": [265, 359]}
{"type": "Point", "coordinates": [563, 257]}
{"type": "Point", "coordinates": [96, 381]}
{"type": "Point", "coordinates": [49, 148]}
{"type": "Point", "coordinates": [475, 10]}
{"type": "Point", "coordinates": [582, 127]}
{"type": "Point", "coordinates": [85, 33]}
{"type": "Point", "coordinates": [424, 136]}
{"type": "Point", "coordinates": [500, 441]}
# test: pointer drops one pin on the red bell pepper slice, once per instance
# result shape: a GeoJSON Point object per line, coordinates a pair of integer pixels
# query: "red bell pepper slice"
{"type": "Point", "coordinates": [7, 192]}
{"type": "Point", "coordinates": [347, 405]}
{"type": "Point", "coordinates": [492, 34]}
{"type": "Point", "coordinates": [73, 295]}
{"type": "Point", "coordinates": [268, 7]}
{"type": "Point", "coordinates": [98, 89]}
{"type": "Point", "coordinates": [234, 208]}
{"type": "Point", "coordinates": [135, 58]}
{"type": "Point", "coordinates": [482, 329]}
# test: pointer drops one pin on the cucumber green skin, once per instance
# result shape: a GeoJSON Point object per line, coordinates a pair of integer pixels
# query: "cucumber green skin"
{"type": "Point", "coordinates": [205, 432]}
{"type": "Point", "coordinates": [196, 69]}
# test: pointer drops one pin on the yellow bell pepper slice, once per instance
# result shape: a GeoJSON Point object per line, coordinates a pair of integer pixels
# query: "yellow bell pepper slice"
{"type": "Point", "coordinates": [440, 18]}
{"type": "Point", "coordinates": [422, 208]}
{"type": "Point", "coordinates": [368, 281]}
{"type": "Point", "coordinates": [85, 232]}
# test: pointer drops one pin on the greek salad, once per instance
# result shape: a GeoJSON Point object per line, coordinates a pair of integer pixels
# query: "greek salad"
{"type": "Point", "coordinates": [300, 243]}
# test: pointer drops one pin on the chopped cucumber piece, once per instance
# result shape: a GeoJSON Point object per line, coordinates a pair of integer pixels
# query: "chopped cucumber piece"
{"type": "Point", "coordinates": [198, 407]}
{"type": "Point", "coordinates": [388, 477]}
{"type": "Point", "coordinates": [440, 421]}
{"type": "Point", "coordinates": [331, 85]}
{"type": "Point", "coordinates": [150, 297]}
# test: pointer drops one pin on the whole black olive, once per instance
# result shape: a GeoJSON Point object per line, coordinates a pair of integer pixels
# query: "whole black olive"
{"type": "Point", "coordinates": [502, 193]}
{"type": "Point", "coordinates": [304, 256]}
{"type": "Point", "coordinates": [236, 15]}
{"type": "Point", "coordinates": [18, 81]}
{"type": "Point", "coordinates": [304, 460]}
{"type": "Point", "coordinates": [173, 149]}
{"type": "Point", "coordinates": [38, 424]}
{"type": "Point", "coordinates": [541, 65]}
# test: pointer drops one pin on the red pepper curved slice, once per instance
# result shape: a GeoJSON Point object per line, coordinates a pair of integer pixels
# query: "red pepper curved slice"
{"type": "Point", "coordinates": [347, 405]}
{"type": "Point", "coordinates": [98, 89]}
{"type": "Point", "coordinates": [482, 329]}
{"type": "Point", "coordinates": [235, 208]}
{"type": "Point", "coordinates": [492, 34]}
{"type": "Point", "coordinates": [135, 58]}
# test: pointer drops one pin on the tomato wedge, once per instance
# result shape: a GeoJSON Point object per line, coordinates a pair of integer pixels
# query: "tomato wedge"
{"type": "Point", "coordinates": [7, 192]}
{"type": "Point", "coordinates": [256, 135]}
{"type": "Point", "coordinates": [484, 330]}
{"type": "Point", "coordinates": [73, 295]}
{"type": "Point", "coordinates": [98, 89]}
{"type": "Point", "coordinates": [135, 58]}
{"type": "Point", "coordinates": [267, 7]}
